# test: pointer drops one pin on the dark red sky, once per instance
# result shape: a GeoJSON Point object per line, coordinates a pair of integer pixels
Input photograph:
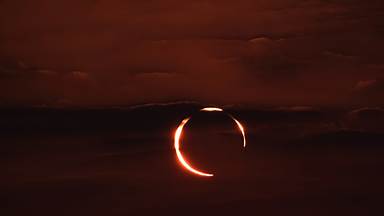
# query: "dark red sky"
{"type": "Point", "coordinates": [99, 52]}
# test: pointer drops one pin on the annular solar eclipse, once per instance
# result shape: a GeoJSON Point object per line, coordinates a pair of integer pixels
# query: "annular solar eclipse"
{"type": "Point", "coordinates": [177, 138]}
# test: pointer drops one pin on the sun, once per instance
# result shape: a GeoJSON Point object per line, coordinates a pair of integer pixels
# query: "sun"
{"type": "Point", "coordinates": [179, 132]}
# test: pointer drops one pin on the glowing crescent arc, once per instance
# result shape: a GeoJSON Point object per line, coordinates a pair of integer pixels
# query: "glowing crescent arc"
{"type": "Point", "coordinates": [179, 132]}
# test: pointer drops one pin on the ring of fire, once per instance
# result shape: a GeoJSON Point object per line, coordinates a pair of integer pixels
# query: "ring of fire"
{"type": "Point", "coordinates": [179, 132]}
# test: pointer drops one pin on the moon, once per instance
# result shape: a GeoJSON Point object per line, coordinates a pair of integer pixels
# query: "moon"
{"type": "Point", "coordinates": [179, 132]}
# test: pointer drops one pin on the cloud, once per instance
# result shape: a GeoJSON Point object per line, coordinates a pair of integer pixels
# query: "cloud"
{"type": "Point", "coordinates": [188, 103]}
{"type": "Point", "coordinates": [11, 69]}
{"type": "Point", "coordinates": [62, 102]}
{"type": "Point", "coordinates": [366, 119]}
{"type": "Point", "coordinates": [368, 112]}
{"type": "Point", "coordinates": [297, 109]}
{"type": "Point", "coordinates": [79, 75]}
{"type": "Point", "coordinates": [369, 92]}
{"type": "Point", "coordinates": [338, 55]}
{"type": "Point", "coordinates": [284, 52]}
{"type": "Point", "coordinates": [45, 72]}
{"type": "Point", "coordinates": [155, 75]}
{"type": "Point", "coordinates": [371, 86]}
{"type": "Point", "coordinates": [365, 84]}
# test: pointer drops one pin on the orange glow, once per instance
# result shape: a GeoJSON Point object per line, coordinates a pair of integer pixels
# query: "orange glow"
{"type": "Point", "coordinates": [241, 128]}
{"type": "Point", "coordinates": [179, 132]}
{"type": "Point", "coordinates": [180, 156]}
{"type": "Point", "coordinates": [212, 109]}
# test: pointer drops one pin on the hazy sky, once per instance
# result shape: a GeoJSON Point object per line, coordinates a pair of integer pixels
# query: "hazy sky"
{"type": "Point", "coordinates": [118, 52]}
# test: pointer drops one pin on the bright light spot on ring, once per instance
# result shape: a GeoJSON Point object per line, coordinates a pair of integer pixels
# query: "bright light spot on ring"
{"type": "Point", "coordinates": [212, 109]}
